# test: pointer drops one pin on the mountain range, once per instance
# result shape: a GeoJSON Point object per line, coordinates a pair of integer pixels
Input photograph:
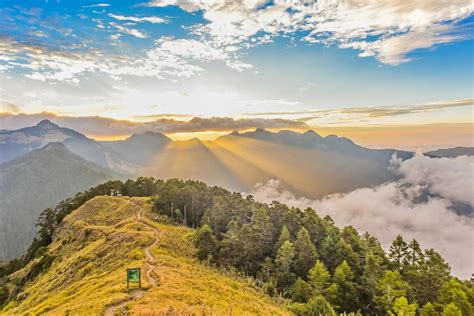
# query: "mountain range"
{"type": "Point", "coordinates": [35, 175]}
{"type": "Point", "coordinates": [236, 161]}
{"type": "Point", "coordinates": [451, 152]}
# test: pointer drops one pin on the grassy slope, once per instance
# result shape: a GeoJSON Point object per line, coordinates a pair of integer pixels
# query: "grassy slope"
{"type": "Point", "coordinates": [100, 240]}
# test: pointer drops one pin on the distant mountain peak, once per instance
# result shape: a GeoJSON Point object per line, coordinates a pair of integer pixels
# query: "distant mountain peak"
{"type": "Point", "coordinates": [47, 124]}
{"type": "Point", "coordinates": [234, 133]}
{"type": "Point", "coordinates": [147, 135]}
{"type": "Point", "coordinates": [260, 130]}
{"type": "Point", "coordinates": [311, 133]}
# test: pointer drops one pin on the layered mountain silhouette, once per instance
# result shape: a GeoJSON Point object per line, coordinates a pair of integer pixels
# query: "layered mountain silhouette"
{"type": "Point", "coordinates": [35, 181]}
{"type": "Point", "coordinates": [18, 142]}
{"type": "Point", "coordinates": [35, 175]}
{"type": "Point", "coordinates": [451, 152]}
{"type": "Point", "coordinates": [305, 163]}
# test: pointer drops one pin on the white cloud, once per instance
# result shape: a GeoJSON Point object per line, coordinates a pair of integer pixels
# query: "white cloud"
{"type": "Point", "coordinates": [98, 5]}
{"type": "Point", "coordinates": [417, 206]}
{"type": "Point", "coordinates": [130, 31]}
{"type": "Point", "coordinates": [238, 65]}
{"type": "Point", "coordinates": [189, 48]}
{"type": "Point", "coordinates": [397, 27]}
{"type": "Point", "coordinates": [150, 19]}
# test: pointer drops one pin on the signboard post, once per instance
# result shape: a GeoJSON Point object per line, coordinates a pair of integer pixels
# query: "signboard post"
{"type": "Point", "coordinates": [134, 276]}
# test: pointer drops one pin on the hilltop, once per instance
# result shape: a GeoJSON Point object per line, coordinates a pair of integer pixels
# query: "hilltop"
{"type": "Point", "coordinates": [96, 243]}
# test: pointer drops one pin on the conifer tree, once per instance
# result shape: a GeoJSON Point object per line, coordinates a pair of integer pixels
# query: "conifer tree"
{"type": "Point", "coordinates": [402, 308]}
{"type": "Point", "coordinates": [415, 254]}
{"type": "Point", "coordinates": [451, 310]}
{"type": "Point", "coordinates": [206, 243]}
{"type": "Point", "coordinates": [434, 272]}
{"type": "Point", "coordinates": [305, 253]}
{"type": "Point", "coordinates": [343, 292]}
{"type": "Point", "coordinates": [318, 278]}
{"type": "Point", "coordinates": [301, 291]}
{"type": "Point", "coordinates": [389, 288]}
{"type": "Point", "coordinates": [283, 265]}
{"type": "Point", "coordinates": [428, 310]}
{"type": "Point", "coordinates": [398, 253]}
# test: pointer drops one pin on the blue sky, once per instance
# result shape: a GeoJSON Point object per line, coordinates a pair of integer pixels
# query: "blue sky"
{"type": "Point", "coordinates": [317, 62]}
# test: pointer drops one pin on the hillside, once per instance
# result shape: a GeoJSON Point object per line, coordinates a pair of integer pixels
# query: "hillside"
{"type": "Point", "coordinates": [96, 243]}
{"type": "Point", "coordinates": [37, 180]}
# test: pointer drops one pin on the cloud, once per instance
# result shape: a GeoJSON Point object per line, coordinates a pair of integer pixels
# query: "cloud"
{"type": "Point", "coordinates": [370, 112]}
{"type": "Point", "coordinates": [238, 65]}
{"type": "Point", "coordinates": [106, 127]}
{"type": "Point", "coordinates": [97, 5]}
{"type": "Point", "coordinates": [389, 30]}
{"type": "Point", "coordinates": [9, 107]}
{"type": "Point", "coordinates": [420, 205]}
{"type": "Point", "coordinates": [150, 19]}
{"type": "Point", "coordinates": [169, 58]}
{"type": "Point", "coordinates": [128, 30]}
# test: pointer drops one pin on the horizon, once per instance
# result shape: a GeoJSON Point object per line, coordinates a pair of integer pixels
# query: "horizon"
{"type": "Point", "coordinates": [272, 64]}
{"type": "Point", "coordinates": [416, 138]}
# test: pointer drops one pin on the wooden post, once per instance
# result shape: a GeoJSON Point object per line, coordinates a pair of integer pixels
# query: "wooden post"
{"type": "Point", "coordinates": [139, 278]}
{"type": "Point", "coordinates": [127, 280]}
{"type": "Point", "coordinates": [184, 219]}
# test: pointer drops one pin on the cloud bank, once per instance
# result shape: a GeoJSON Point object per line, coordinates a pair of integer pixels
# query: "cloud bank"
{"type": "Point", "coordinates": [419, 205]}
{"type": "Point", "coordinates": [97, 126]}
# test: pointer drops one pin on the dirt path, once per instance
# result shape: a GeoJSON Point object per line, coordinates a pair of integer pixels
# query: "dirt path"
{"type": "Point", "coordinates": [149, 255]}
{"type": "Point", "coordinates": [111, 310]}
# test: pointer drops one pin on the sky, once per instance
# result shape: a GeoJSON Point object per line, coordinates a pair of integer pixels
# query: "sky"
{"type": "Point", "coordinates": [328, 65]}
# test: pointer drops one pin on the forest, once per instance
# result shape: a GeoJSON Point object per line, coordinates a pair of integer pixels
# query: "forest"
{"type": "Point", "coordinates": [293, 254]}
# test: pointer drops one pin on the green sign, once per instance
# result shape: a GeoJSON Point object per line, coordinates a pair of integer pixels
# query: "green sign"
{"type": "Point", "coordinates": [133, 276]}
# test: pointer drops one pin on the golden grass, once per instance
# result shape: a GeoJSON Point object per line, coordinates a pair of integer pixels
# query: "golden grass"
{"type": "Point", "coordinates": [101, 239]}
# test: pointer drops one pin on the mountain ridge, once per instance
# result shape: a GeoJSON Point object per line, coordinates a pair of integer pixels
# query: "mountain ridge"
{"type": "Point", "coordinates": [37, 180]}
{"type": "Point", "coordinates": [94, 246]}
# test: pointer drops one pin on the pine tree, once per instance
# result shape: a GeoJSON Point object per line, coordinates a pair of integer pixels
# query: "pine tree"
{"type": "Point", "coordinates": [428, 310]}
{"type": "Point", "coordinates": [389, 288]}
{"type": "Point", "coordinates": [206, 243]}
{"type": "Point", "coordinates": [284, 236]}
{"type": "Point", "coordinates": [373, 272]}
{"type": "Point", "coordinates": [343, 292]}
{"type": "Point", "coordinates": [318, 306]}
{"type": "Point", "coordinates": [305, 253]}
{"type": "Point", "coordinates": [301, 291]}
{"type": "Point", "coordinates": [398, 253]}
{"type": "Point", "coordinates": [451, 310]}
{"type": "Point", "coordinates": [402, 308]}
{"type": "Point", "coordinates": [453, 292]}
{"type": "Point", "coordinates": [283, 265]}
{"type": "Point", "coordinates": [415, 254]}
{"type": "Point", "coordinates": [318, 278]}
{"type": "Point", "coordinates": [434, 272]}
{"type": "Point", "coordinates": [46, 223]}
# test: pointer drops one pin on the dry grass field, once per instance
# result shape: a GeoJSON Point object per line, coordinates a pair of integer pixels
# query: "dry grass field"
{"type": "Point", "coordinates": [96, 244]}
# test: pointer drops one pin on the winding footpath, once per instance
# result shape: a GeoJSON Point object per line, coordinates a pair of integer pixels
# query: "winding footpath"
{"type": "Point", "coordinates": [111, 310]}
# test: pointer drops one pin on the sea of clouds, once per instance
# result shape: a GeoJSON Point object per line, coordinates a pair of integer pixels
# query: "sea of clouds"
{"type": "Point", "coordinates": [432, 201]}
